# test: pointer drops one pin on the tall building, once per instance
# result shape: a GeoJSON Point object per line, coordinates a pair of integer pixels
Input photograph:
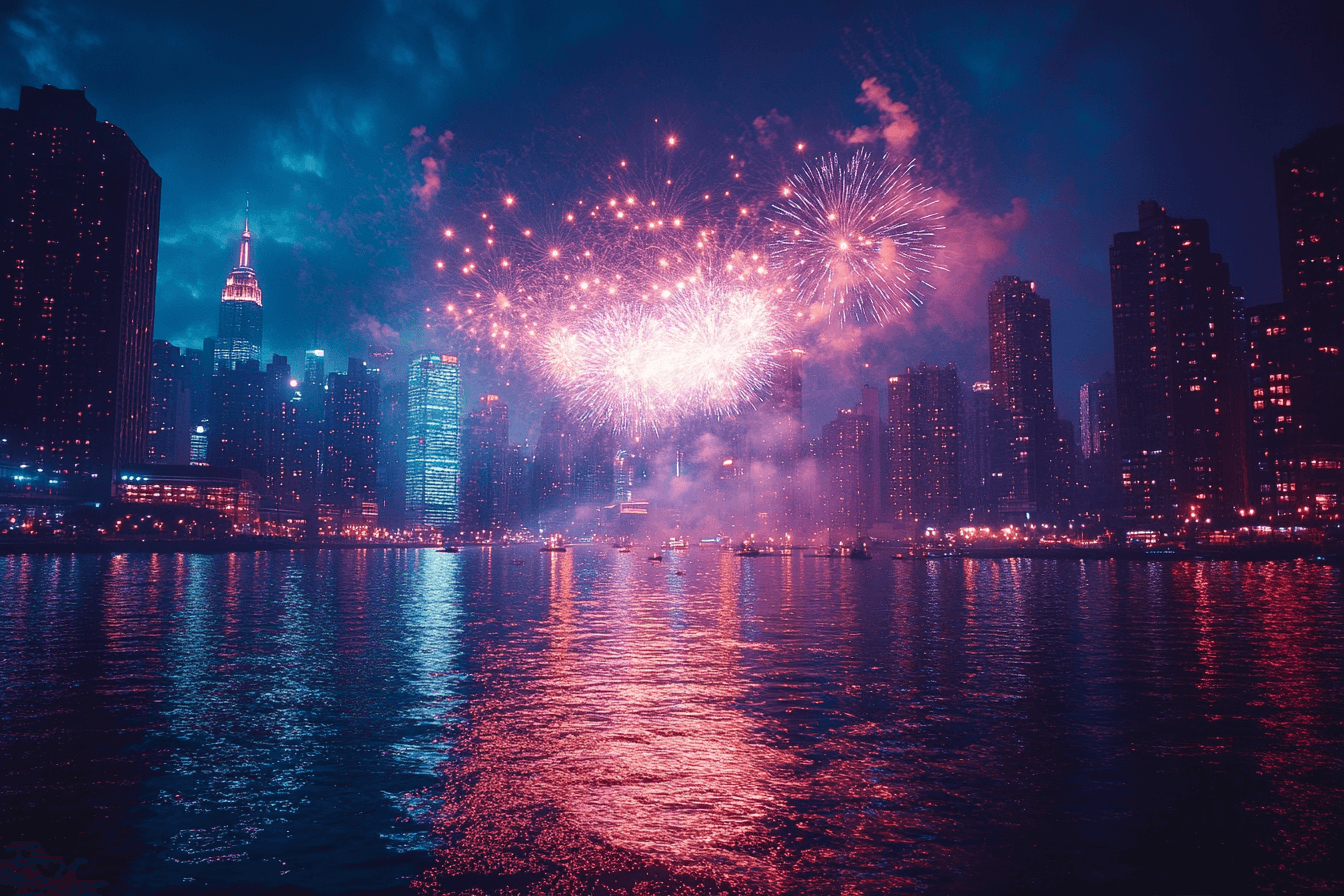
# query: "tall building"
{"type": "Point", "coordinates": [984, 455]}
{"type": "Point", "coordinates": [1097, 418]}
{"type": "Point", "coordinates": [924, 444]}
{"type": "Point", "coordinates": [240, 310]}
{"type": "Point", "coordinates": [1309, 183]}
{"type": "Point", "coordinates": [848, 469]}
{"type": "Point", "coordinates": [238, 420]}
{"type": "Point", "coordinates": [1022, 384]}
{"type": "Point", "coordinates": [433, 440]}
{"type": "Point", "coordinates": [169, 422]}
{"type": "Point", "coordinates": [1275, 443]}
{"type": "Point", "coordinates": [553, 471]}
{"type": "Point", "coordinates": [350, 455]}
{"type": "Point", "coordinates": [485, 494]}
{"type": "Point", "coordinates": [1179, 376]}
{"type": "Point", "coordinates": [775, 442]}
{"type": "Point", "coordinates": [79, 245]}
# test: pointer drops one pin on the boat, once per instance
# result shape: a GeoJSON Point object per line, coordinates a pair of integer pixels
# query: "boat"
{"type": "Point", "coordinates": [860, 552]}
{"type": "Point", "coordinates": [748, 550]}
{"type": "Point", "coordinates": [450, 549]}
{"type": "Point", "coordinates": [677, 543]}
{"type": "Point", "coordinates": [554, 545]}
{"type": "Point", "coordinates": [681, 572]}
{"type": "Point", "coordinates": [656, 558]}
{"type": "Point", "coordinates": [623, 550]}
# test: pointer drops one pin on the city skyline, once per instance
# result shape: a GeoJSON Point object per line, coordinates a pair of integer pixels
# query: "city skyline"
{"type": "Point", "coordinates": [325, 159]}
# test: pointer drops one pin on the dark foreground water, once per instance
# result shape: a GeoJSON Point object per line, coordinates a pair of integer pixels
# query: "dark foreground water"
{"type": "Point", "coordinates": [513, 722]}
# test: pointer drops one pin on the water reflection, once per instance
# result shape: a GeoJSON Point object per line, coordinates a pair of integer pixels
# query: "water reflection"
{"type": "Point", "coordinates": [506, 721]}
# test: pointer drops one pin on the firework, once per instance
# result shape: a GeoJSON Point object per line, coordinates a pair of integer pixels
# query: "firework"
{"type": "Point", "coordinates": [654, 296]}
{"type": "Point", "coordinates": [857, 237]}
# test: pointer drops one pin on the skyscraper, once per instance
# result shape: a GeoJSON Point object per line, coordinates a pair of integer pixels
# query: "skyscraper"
{"type": "Point", "coordinates": [1022, 383]}
{"type": "Point", "coordinates": [350, 455]}
{"type": "Point", "coordinates": [924, 444]}
{"type": "Point", "coordinates": [1309, 182]}
{"type": "Point", "coordinates": [240, 310]}
{"type": "Point", "coordinates": [433, 440]}
{"type": "Point", "coordinates": [484, 503]}
{"type": "Point", "coordinates": [849, 468]}
{"type": "Point", "coordinates": [79, 244]}
{"type": "Point", "coordinates": [169, 420]}
{"type": "Point", "coordinates": [1097, 442]}
{"type": "Point", "coordinates": [1179, 376]}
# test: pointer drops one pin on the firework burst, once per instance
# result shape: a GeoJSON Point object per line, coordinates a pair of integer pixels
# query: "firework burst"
{"type": "Point", "coordinates": [857, 237]}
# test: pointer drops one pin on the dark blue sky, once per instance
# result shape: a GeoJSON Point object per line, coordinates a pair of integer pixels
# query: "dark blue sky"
{"type": "Point", "coordinates": [1048, 121]}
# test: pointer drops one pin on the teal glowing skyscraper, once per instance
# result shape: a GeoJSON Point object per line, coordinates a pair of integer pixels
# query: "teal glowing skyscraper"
{"type": "Point", "coordinates": [433, 440]}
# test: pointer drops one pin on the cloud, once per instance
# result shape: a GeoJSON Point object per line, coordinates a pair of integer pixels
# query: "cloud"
{"type": "Point", "coordinates": [48, 39]}
{"type": "Point", "coordinates": [768, 127]}
{"type": "Point", "coordinates": [379, 335]}
{"type": "Point", "coordinates": [428, 187]}
{"type": "Point", "coordinates": [898, 127]}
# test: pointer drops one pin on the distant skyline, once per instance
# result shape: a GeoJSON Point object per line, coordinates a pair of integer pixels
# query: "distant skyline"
{"type": "Point", "coordinates": [1050, 122]}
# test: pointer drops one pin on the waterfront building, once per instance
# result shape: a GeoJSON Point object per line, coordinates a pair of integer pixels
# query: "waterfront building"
{"type": "Point", "coordinates": [1097, 417]}
{"type": "Point", "coordinates": [240, 310]}
{"type": "Point", "coordinates": [168, 440]}
{"type": "Point", "coordinates": [1309, 184]}
{"type": "Point", "coordinates": [239, 426]}
{"type": "Point", "coordinates": [233, 492]}
{"type": "Point", "coordinates": [553, 470]}
{"type": "Point", "coordinates": [924, 444]}
{"type": "Point", "coordinates": [1274, 449]}
{"type": "Point", "coordinates": [485, 493]}
{"type": "Point", "coordinates": [349, 492]}
{"type": "Point", "coordinates": [1179, 371]}
{"type": "Point", "coordinates": [984, 447]}
{"type": "Point", "coordinates": [1022, 385]}
{"type": "Point", "coordinates": [848, 470]}
{"type": "Point", "coordinates": [79, 244]}
{"type": "Point", "coordinates": [433, 440]}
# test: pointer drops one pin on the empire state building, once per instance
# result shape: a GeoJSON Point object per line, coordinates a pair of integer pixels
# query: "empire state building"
{"type": "Point", "coordinates": [240, 311]}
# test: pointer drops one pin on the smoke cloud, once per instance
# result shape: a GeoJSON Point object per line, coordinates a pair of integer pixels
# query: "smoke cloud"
{"type": "Point", "coordinates": [898, 128]}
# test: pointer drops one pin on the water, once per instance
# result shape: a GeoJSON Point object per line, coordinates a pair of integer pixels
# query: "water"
{"type": "Point", "coordinates": [513, 722]}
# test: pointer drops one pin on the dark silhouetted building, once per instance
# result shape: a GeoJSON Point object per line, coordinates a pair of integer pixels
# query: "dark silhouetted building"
{"type": "Point", "coordinates": [79, 244]}
{"type": "Point", "coordinates": [485, 481]}
{"type": "Point", "coordinates": [239, 426]}
{"type": "Point", "coordinates": [1179, 375]}
{"type": "Point", "coordinates": [1274, 428]}
{"type": "Point", "coordinates": [924, 445]}
{"type": "Point", "coordinates": [553, 470]}
{"type": "Point", "coordinates": [848, 469]}
{"type": "Point", "coordinates": [984, 454]}
{"type": "Point", "coordinates": [168, 440]}
{"type": "Point", "coordinates": [1097, 417]}
{"type": "Point", "coordinates": [1309, 182]}
{"type": "Point", "coordinates": [240, 311]}
{"type": "Point", "coordinates": [1022, 384]}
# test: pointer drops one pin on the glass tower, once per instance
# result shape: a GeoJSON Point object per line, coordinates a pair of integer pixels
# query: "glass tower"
{"type": "Point", "coordinates": [433, 440]}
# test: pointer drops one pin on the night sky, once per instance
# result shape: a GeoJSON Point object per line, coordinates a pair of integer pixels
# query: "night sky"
{"type": "Point", "coordinates": [1048, 123]}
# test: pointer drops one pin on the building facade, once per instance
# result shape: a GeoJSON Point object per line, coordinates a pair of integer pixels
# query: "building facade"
{"type": "Point", "coordinates": [240, 310]}
{"type": "Point", "coordinates": [79, 243]}
{"type": "Point", "coordinates": [433, 440]}
{"type": "Point", "coordinates": [924, 445]}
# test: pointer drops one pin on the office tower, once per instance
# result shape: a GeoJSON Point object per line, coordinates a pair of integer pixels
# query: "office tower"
{"type": "Point", "coordinates": [1179, 375]}
{"type": "Point", "coordinates": [433, 440]}
{"type": "Point", "coordinates": [1309, 183]}
{"type": "Point", "coordinates": [848, 469]}
{"type": "Point", "coordinates": [1097, 418]}
{"type": "Point", "coordinates": [240, 311]}
{"type": "Point", "coordinates": [1021, 378]}
{"type": "Point", "coordinates": [553, 471]}
{"type": "Point", "coordinates": [775, 440]}
{"type": "Point", "coordinates": [484, 467]}
{"type": "Point", "coordinates": [79, 245]}
{"type": "Point", "coordinates": [594, 467]}
{"type": "Point", "coordinates": [392, 453]}
{"type": "Point", "coordinates": [168, 440]}
{"type": "Point", "coordinates": [239, 426]}
{"type": "Point", "coordinates": [199, 364]}
{"type": "Point", "coordinates": [924, 444]}
{"type": "Point", "coordinates": [314, 369]}
{"type": "Point", "coordinates": [984, 455]}
{"type": "Point", "coordinates": [1275, 443]}
{"type": "Point", "coordinates": [350, 456]}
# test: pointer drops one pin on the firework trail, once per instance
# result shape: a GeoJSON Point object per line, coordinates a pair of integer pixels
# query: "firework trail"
{"type": "Point", "coordinates": [656, 295]}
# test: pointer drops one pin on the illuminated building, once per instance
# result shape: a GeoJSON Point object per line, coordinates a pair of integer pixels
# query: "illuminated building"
{"type": "Point", "coordinates": [315, 370]}
{"type": "Point", "coordinates": [240, 310]}
{"type": "Point", "coordinates": [79, 242]}
{"type": "Point", "coordinates": [849, 468]}
{"type": "Point", "coordinates": [168, 440]}
{"type": "Point", "coordinates": [350, 455]}
{"type": "Point", "coordinates": [433, 440]}
{"type": "Point", "coordinates": [984, 453]}
{"type": "Point", "coordinates": [924, 444]}
{"type": "Point", "coordinates": [775, 438]}
{"type": "Point", "coordinates": [1179, 375]}
{"type": "Point", "coordinates": [1309, 183]}
{"type": "Point", "coordinates": [238, 424]}
{"type": "Point", "coordinates": [1275, 428]}
{"type": "Point", "coordinates": [233, 492]}
{"type": "Point", "coordinates": [1022, 384]}
{"type": "Point", "coordinates": [553, 472]}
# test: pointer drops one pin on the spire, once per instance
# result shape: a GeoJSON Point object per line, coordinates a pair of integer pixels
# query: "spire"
{"type": "Point", "coordinates": [245, 246]}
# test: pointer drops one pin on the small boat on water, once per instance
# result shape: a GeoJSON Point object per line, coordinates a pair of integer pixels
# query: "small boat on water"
{"type": "Point", "coordinates": [554, 545]}
{"type": "Point", "coordinates": [623, 550]}
{"type": "Point", "coordinates": [749, 550]}
{"type": "Point", "coordinates": [656, 558]}
{"type": "Point", "coordinates": [859, 552]}
{"type": "Point", "coordinates": [450, 549]}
